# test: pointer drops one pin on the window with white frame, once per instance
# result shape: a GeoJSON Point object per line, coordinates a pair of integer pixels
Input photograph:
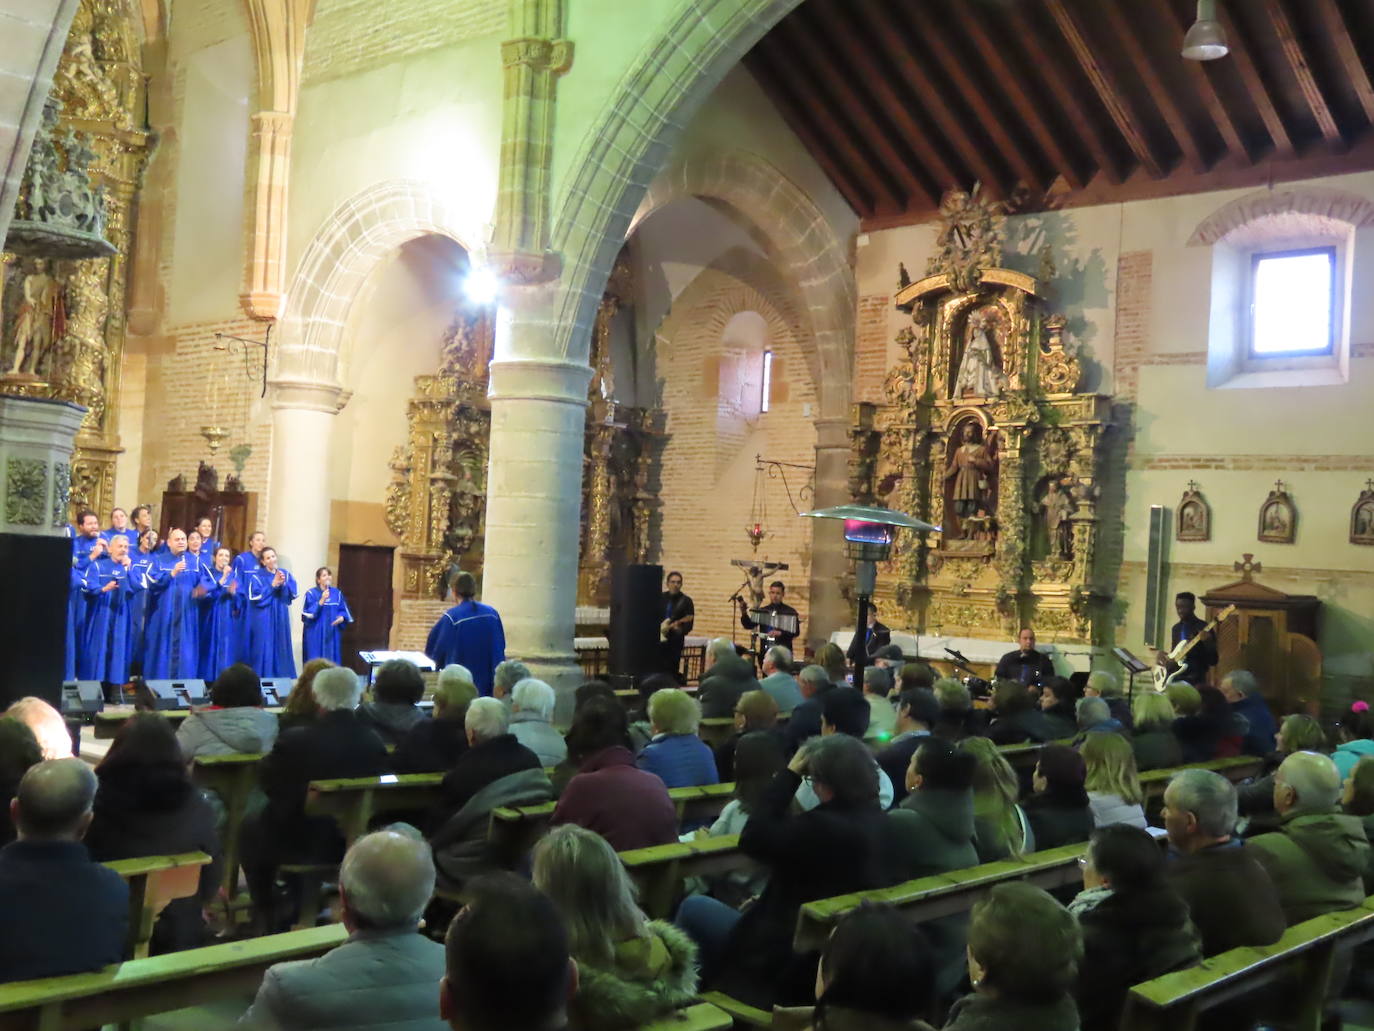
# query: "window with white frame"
{"type": "Point", "coordinates": [1292, 304]}
{"type": "Point", "coordinates": [766, 386]}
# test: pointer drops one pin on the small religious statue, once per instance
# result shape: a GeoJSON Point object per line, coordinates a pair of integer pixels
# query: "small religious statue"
{"type": "Point", "coordinates": [38, 323]}
{"type": "Point", "coordinates": [1057, 508]}
{"type": "Point", "coordinates": [979, 526]}
{"type": "Point", "coordinates": [970, 467]}
{"type": "Point", "coordinates": [979, 373]}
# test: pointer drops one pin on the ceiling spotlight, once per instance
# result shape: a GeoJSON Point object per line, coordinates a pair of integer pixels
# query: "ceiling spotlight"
{"type": "Point", "coordinates": [481, 285]}
{"type": "Point", "coordinates": [1206, 40]}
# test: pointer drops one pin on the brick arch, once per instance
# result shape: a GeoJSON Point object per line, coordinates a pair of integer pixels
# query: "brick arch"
{"type": "Point", "coordinates": [337, 260]}
{"type": "Point", "coordinates": [1321, 205]}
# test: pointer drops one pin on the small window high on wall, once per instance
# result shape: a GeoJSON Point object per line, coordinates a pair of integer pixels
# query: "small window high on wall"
{"type": "Point", "coordinates": [1292, 303]}
{"type": "Point", "coordinates": [766, 386]}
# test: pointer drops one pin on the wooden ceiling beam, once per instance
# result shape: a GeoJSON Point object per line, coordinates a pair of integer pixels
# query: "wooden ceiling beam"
{"type": "Point", "coordinates": [858, 55]}
{"type": "Point", "coordinates": [1104, 84]}
{"type": "Point", "coordinates": [1200, 72]}
{"type": "Point", "coordinates": [1064, 94]}
{"type": "Point", "coordinates": [1254, 85]}
{"type": "Point", "coordinates": [1296, 55]}
{"type": "Point", "coordinates": [1015, 92]}
{"type": "Point", "coordinates": [1339, 32]}
{"type": "Point", "coordinates": [890, 39]}
{"type": "Point", "coordinates": [934, 29]}
{"type": "Point", "coordinates": [857, 112]}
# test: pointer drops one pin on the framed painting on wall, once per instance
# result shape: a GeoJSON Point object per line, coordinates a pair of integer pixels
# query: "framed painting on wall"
{"type": "Point", "coordinates": [1194, 519]}
{"type": "Point", "coordinates": [1362, 516]}
{"type": "Point", "coordinates": [1278, 519]}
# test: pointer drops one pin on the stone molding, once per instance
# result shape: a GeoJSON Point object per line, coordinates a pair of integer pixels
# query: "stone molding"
{"type": "Point", "coordinates": [1321, 202]}
{"type": "Point", "coordinates": [524, 379]}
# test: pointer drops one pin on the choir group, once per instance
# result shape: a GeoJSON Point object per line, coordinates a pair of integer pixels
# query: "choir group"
{"type": "Point", "coordinates": [187, 606]}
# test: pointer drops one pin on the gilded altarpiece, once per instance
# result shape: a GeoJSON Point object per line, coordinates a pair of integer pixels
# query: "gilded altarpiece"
{"type": "Point", "coordinates": [99, 87]}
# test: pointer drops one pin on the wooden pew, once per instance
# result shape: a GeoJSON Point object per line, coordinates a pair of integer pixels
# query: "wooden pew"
{"type": "Point", "coordinates": [701, 1017]}
{"type": "Point", "coordinates": [142, 987]}
{"type": "Point", "coordinates": [108, 721]}
{"type": "Point", "coordinates": [1235, 769]}
{"type": "Point", "coordinates": [716, 729]}
{"type": "Point", "coordinates": [233, 778]}
{"type": "Point", "coordinates": [352, 802]}
{"type": "Point", "coordinates": [153, 882]}
{"type": "Point", "coordinates": [1175, 1001]}
{"type": "Point", "coordinates": [660, 870]}
{"type": "Point", "coordinates": [741, 1013]}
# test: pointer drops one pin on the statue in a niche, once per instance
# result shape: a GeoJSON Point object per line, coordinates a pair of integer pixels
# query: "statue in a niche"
{"type": "Point", "coordinates": [970, 468]}
{"type": "Point", "coordinates": [979, 373]}
{"type": "Point", "coordinates": [1057, 507]}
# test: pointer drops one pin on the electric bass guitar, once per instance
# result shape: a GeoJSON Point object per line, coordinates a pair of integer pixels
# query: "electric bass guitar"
{"type": "Point", "coordinates": [1162, 677]}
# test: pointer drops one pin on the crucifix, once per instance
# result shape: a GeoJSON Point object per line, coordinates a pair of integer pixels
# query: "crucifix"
{"type": "Point", "coordinates": [1278, 487]}
{"type": "Point", "coordinates": [1192, 486]}
{"type": "Point", "coordinates": [1247, 568]}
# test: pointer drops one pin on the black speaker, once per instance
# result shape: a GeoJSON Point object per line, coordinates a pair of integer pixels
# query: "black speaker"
{"type": "Point", "coordinates": [275, 690]}
{"type": "Point", "coordinates": [635, 619]}
{"type": "Point", "coordinates": [33, 617]}
{"type": "Point", "coordinates": [80, 696]}
{"type": "Point", "coordinates": [180, 693]}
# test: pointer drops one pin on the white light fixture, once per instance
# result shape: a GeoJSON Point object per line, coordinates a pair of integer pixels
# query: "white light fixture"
{"type": "Point", "coordinates": [1206, 40]}
{"type": "Point", "coordinates": [481, 285]}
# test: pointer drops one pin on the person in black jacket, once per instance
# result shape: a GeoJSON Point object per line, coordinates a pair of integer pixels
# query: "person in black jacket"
{"type": "Point", "coordinates": [805, 721]}
{"type": "Point", "coordinates": [868, 642]}
{"type": "Point", "coordinates": [1015, 719]}
{"type": "Point", "coordinates": [1058, 811]}
{"type": "Point", "coordinates": [18, 751]}
{"type": "Point", "coordinates": [434, 745]}
{"type": "Point", "coordinates": [147, 806]}
{"type": "Point", "coordinates": [493, 752]}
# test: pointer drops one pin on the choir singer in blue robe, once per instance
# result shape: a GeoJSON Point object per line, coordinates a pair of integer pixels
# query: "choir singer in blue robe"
{"type": "Point", "coordinates": [270, 594]}
{"type": "Point", "coordinates": [107, 647]}
{"type": "Point", "coordinates": [324, 614]}
{"type": "Point", "coordinates": [142, 561]}
{"type": "Point", "coordinates": [208, 542]}
{"type": "Point", "coordinates": [220, 609]}
{"type": "Point", "coordinates": [171, 645]}
{"type": "Point", "coordinates": [88, 544]}
{"type": "Point", "coordinates": [246, 563]}
{"type": "Point", "coordinates": [469, 634]}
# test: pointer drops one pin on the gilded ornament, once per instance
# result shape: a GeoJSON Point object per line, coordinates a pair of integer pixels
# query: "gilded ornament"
{"type": "Point", "coordinates": [26, 491]}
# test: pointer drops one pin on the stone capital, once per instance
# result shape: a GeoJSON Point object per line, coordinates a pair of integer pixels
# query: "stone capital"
{"type": "Point", "coordinates": [309, 395]}
{"type": "Point", "coordinates": [539, 379]}
{"type": "Point", "coordinates": [831, 433]}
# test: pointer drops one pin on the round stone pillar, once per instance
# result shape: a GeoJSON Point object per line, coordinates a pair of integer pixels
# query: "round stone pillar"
{"type": "Point", "coordinates": [829, 567]}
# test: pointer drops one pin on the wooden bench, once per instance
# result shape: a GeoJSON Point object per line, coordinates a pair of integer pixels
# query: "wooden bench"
{"type": "Point", "coordinates": [1307, 950]}
{"type": "Point", "coordinates": [701, 1017]}
{"type": "Point", "coordinates": [659, 871]}
{"type": "Point", "coordinates": [352, 802]}
{"type": "Point", "coordinates": [716, 729]}
{"type": "Point", "coordinates": [153, 882]}
{"type": "Point", "coordinates": [233, 778]}
{"type": "Point", "coordinates": [741, 1013]}
{"type": "Point", "coordinates": [1235, 769]}
{"type": "Point", "coordinates": [142, 987]}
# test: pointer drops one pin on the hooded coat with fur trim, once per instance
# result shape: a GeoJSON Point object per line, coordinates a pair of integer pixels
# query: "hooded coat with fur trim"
{"type": "Point", "coordinates": [652, 976]}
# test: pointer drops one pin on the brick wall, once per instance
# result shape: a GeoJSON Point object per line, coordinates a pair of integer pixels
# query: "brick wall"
{"type": "Point", "coordinates": [346, 36]}
{"type": "Point", "coordinates": [412, 622]}
{"type": "Point", "coordinates": [1134, 285]}
{"type": "Point", "coordinates": [870, 346]}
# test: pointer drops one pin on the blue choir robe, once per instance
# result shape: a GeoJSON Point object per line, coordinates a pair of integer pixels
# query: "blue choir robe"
{"type": "Point", "coordinates": [171, 635]}
{"type": "Point", "coordinates": [140, 563]}
{"type": "Point", "coordinates": [129, 533]}
{"type": "Point", "coordinates": [208, 549]}
{"type": "Point", "coordinates": [219, 622]}
{"type": "Point", "coordinates": [76, 601]}
{"type": "Point", "coordinates": [107, 644]}
{"type": "Point", "coordinates": [320, 638]}
{"type": "Point", "coordinates": [245, 563]}
{"type": "Point", "coordinates": [470, 634]}
{"type": "Point", "coordinates": [269, 624]}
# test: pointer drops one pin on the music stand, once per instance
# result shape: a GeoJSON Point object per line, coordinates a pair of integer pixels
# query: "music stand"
{"type": "Point", "coordinates": [1132, 666]}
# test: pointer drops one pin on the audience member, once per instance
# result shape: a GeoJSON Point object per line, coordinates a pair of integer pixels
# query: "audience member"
{"type": "Point", "coordinates": [755, 712]}
{"type": "Point", "coordinates": [778, 680]}
{"type": "Point", "coordinates": [1214, 733]}
{"type": "Point", "coordinates": [641, 729]}
{"type": "Point", "coordinates": [728, 677]}
{"type": "Point", "coordinates": [757, 758]}
{"type": "Point", "coordinates": [434, 745]}
{"type": "Point", "coordinates": [234, 721]}
{"type": "Point", "coordinates": [889, 656]}
{"type": "Point", "coordinates": [1231, 896]}
{"type": "Point", "coordinates": [1298, 733]}
{"type": "Point", "coordinates": [1319, 854]}
{"type": "Point", "coordinates": [1354, 737]}
{"type": "Point", "coordinates": [509, 673]}
{"type": "Point", "coordinates": [1024, 950]}
{"type": "Point", "coordinates": [384, 974]}
{"type": "Point", "coordinates": [1242, 691]}
{"type": "Point", "coordinates": [397, 688]}
{"type": "Point", "coordinates": [915, 674]}
{"type": "Point", "coordinates": [675, 753]}
{"type": "Point", "coordinates": [1057, 700]}
{"type": "Point", "coordinates": [1357, 799]}
{"type": "Point", "coordinates": [1001, 829]}
{"type": "Point", "coordinates": [1153, 742]}
{"type": "Point", "coordinates": [958, 718]}
{"type": "Point", "coordinates": [147, 806]}
{"type": "Point", "coordinates": [508, 966]}
{"type": "Point", "coordinates": [532, 703]}
{"type": "Point", "coordinates": [631, 970]}
{"type": "Point", "coordinates": [1094, 716]}
{"type": "Point", "coordinates": [876, 973]}
{"type": "Point", "coordinates": [814, 683]}
{"type": "Point", "coordinates": [917, 713]}
{"type": "Point", "coordinates": [627, 806]}
{"type": "Point", "coordinates": [1135, 926]}
{"type": "Point", "coordinates": [1104, 684]}
{"type": "Point", "coordinates": [18, 751]}
{"type": "Point", "coordinates": [882, 717]}
{"type": "Point", "coordinates": [300, 707]}
{"type": "Point", "coordinates": [1016, 720]}
{"type": "Point", "coordinates": [1058, 811]}
{"type": "Point", "coordinates": [831, 658]}
{"type": "Point", "coordinates": [63, 913]}
{"type": "Point", "coordinates": [492, 753]}
{"type": "Point", "coordinates": [1114, 792]}
{"type": "Point", "coordinates": [47, 724]}
{"type": "Point", "coordinates": [846, 712]}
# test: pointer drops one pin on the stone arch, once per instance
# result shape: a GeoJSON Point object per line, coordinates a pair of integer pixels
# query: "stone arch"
{"type": "Point", "coordinates": [796, 234]}
{"type": "Point", "coordinates": [337, 260]}
{"type": "Point", "coordinates": [625, 147]}
{"type": "Point", "coordinates": [1317, 205]}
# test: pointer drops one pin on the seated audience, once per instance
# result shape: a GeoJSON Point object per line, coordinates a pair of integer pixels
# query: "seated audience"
{"type": "Point", "coordinates": [758, 758]}
{"type": "Point", "coordinates": [915, 674]}
{"type": "Point", "coordinates": [631, 970]}
{"type": "Point", "coordinates": [1016, 720]}
{"type": "Point", "coordinates": [332, 746]}
{"type": "Point", "coordinates": [846, 712]}
{"type": "Point", "coordinates": [509, 673]}
{"type": "Point", "coordinates": [1242, 692]}
{"type": "Point", "coordinates": [434, 745]}
{"type": "Point", "coordinates": [1094, 716]}
{"type": "Point", "coordinates": [1319, 855]}
{"type": "Point", "coordinates": [728, 677]}
{"type": "Point", "coordinates": [958, 718]}
{"type": "Point", "coordinates": [18, 751]}
{"type": "Point", "coordinates": [831, 658]}
{"type": "Point", "coordinates": [1135, 926]}
{"type": "Point", "coordinates": [397, 688]}
{"type": "Point", "coordinates": [675, 753]}
{"type": "Point", "coordinates": [641, 729]}
{"type": "Point", "coordinates": [1057, 700]}
{"type": "Point", "coordinates": [234, 721]}
{"type": "Point", "coordinates": [1153, 742]}
{"type": "Point", "coordinates": [1297, 733]}
{"type": "Point", "coordinates": [47, 724]}
{"type": "Point", "coordinates": [814, 683]}
{"type": "Point", "coordinates": [1104, 684]}
{"type": "Point", "coordinates": [493, 752]}
{"type": "Point", "coordinates": [778, 680]}
{"type": "Point", "coordinates": [63, 912]}
{"type": "Point", "coordinates": [917, 713]}
{"type": "Point", "coordinates": [1001, 829]}
{"type": "Point", "coordinates": [889, 656]}
{"type": "Point", "coordinates": [532, 703]}
{"type": "Point", "coordinates": [755, 713]}
{"type": "Point", "coordinates": [882, 717]}
{"type": "Point", "coordinates": [1357, 799]}
{"type": "Point", "coordinates": [507, 961]}
{"type": "Point", "coordinates": [1354, 737]}
{"type": "Point", "coordinates": [1058, 811]}
{"type": "Point", "coordinates": [1215, 726]}
{"type": "Point", "coordinates": [300, 706]}
{"type": "Point", "coordinates": [833, 849]}
{"type": "Point", "coordinates": [1114, 792]}
{"type": "Point", "coordinates": [1024, 950]}
{"type": "Point", "coordinates": [876, 972]}
{"type": "Point", "coordinates": [385, 974]}
{"type": "Point", "coordinates": [627, 806]}
{"type": "Point", "coordinates": [147, 806]}
{"type": "Point", "coordinates": [1231, 896]}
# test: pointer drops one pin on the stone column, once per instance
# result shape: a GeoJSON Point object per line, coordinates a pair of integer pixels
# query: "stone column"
{"type": "Point", "coordinates": [829, 567]}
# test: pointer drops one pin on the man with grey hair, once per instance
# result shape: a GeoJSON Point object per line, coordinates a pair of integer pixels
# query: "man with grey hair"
{"type": "Point", "coordinates": [1242, 690]}
{"type": "Point", "coordinates": [1231, 896]}
{"type": "Point", "coordinates": [1318, 855]}
{"type": "Point", "coordinates": [531, 713]}
{"type": "Point", "coordinates": [814, 684]}
{"type": "Point", "coordinates": [493, 752]}
{"type": "Point", "coordinates": [506, 676]}
{"type": "Point", "coordinates": [63, 914]}
{"type": "Point", "coordinates": [1104, 684]}
{"type": "Point", "coordinates": [728, 678]}
{"type": "Point", "coordinates": [1094, 716]}
{"type": "Point", "coordinates": [882, 718]}
{"type": "Point", "coordinates": [385, 974]}
{"type": "Point", "coordinates": [778, 680]}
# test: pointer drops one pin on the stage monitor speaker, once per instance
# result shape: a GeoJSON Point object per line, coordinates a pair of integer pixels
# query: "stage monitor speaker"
{"type": "Point", "coordinates": [82, 696]}
{"type": "Point", "coordinates": [1154, 576]}
{"type": "Point", "coordinates": [635, 619]}
{"type": "Point", "coordinates": [179, 693]}
{"type": "Point", "coordinates": [275, 690]}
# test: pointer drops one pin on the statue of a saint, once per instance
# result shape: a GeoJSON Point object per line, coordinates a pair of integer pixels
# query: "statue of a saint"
{"type": "Point", "coordinates": [979, 373]}
{"type": "Point", "coordinates": [970, 467]}
{"type": "Point", "coordinates": [38, 323]}
{"type": "Point", "coordinates": [1057, 506]}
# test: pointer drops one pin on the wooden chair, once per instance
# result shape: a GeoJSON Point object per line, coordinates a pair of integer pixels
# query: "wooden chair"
{"type": "Point", "coordinates": [232, 778]}
{"type": "Point", "coordinates": [153, 882]}
{"type": "Point", "coordinates": [660, 870]}
{"type": "Point", "coordinates": [142, 987]}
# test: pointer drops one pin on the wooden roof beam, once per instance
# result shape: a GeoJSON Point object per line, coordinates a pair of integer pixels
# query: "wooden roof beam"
{"type": "Point", "coordinates": [1105, 86]}
{"type": "Point", "coordinates": [1200, 72]}
{"type": "Point", "coordinates": [1298, 64]}
{"type": "Point", "coordinates": [1254, 85]}
{"type": "Point", "coordinates": [1339, 32]}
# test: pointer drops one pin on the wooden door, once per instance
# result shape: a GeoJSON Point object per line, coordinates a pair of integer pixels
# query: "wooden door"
{"type": "Point", "coordinates": [364, 576]}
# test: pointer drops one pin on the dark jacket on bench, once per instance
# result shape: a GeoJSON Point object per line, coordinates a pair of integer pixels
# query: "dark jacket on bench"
{"type": "Point", "coordinates": [1232, 899]}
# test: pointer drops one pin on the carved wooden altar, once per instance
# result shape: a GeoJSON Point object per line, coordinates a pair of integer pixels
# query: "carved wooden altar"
{"type": "Point", "coordinates": [983, 432]}
{"type": "Point", "coordinates": [1274, 635]}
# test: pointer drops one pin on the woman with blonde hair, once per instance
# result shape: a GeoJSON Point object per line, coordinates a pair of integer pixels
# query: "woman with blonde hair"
{"type": "Point", "coordinates": [1255, 801]}
{"type": "Point", "coordinates": [631, 970]}
{"type": "Point", "coordinates": [1114, 793]}
{"type": "Point", "coordinates": [831, 658]}
{"type": "Point", "coordinates": [1000, 827]}
{"type": "Point", "coordinates": [1154, 743]}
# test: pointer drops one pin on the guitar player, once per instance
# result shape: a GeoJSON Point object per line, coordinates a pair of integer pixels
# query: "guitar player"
{"type": "Point", "coordinates": [1204, 654]}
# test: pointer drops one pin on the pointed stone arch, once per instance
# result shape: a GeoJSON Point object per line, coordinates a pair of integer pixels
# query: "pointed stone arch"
{"type": "Point", "coordinates": [1320, 204]}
